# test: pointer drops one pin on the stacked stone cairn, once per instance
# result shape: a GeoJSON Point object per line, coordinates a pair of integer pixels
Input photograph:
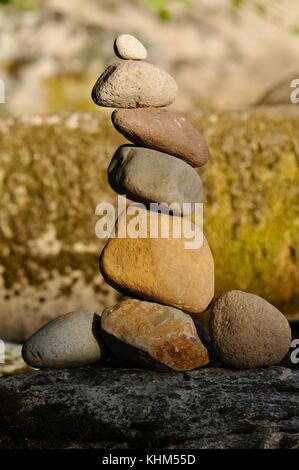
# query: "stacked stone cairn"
{"type": "Point", "coordinates": [171, 286]}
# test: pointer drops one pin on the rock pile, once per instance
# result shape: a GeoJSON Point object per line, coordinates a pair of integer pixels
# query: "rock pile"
{"type": "Point", "coordinates": [169, 282]}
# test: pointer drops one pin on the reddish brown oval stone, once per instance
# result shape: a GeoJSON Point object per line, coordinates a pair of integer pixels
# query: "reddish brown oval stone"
{"type": "Point", "coordinates": [161, 130]}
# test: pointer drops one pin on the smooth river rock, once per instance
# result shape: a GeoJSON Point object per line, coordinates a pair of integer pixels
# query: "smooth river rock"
{"type": "Point", "coordinates": [71, 340]}
{"type": "Point", "coordinates": [247, 331]}
{"type": "Point", "coordinates": [164, 270]}
{"type": "Point", "coordinates": [162, 130]}
{"type": "Point", "coordinates": [153, 336]}
{"type": "Point", "coordinates": [133, 84]}
{"type": "Point", "coordinates": [149, 176]}
{"type": "Point", "coordinates": [127, 47]}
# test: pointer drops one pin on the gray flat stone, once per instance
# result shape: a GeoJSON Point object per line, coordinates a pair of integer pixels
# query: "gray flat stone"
{"type": "Point", "coordinates": [146, 175]}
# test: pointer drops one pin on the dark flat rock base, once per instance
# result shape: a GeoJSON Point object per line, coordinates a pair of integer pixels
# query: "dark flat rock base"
{"type": "Point", "coordinates": [106, 407]}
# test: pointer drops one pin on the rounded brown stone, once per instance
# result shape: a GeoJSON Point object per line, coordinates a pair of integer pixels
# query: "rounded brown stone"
{"type": "Point", "coordinates": [134, 84]}
{"type": "Point", "coordinates": [247, 331]}
{"type": "Point", "coordinates": [164, 270]}
{"type": "Point", "coordinates": [162, 130]}
{"type": "Point", "coordinates": [153, 336]}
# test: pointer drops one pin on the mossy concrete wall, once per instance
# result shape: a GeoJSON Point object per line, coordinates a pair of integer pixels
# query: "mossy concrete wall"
{"type": "Point", "coordinates": [252, 202]}
{"type": "Point", "coordinates": [53, 175]}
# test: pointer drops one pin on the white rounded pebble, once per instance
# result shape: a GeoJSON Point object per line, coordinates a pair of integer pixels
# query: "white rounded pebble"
{"type": "Point", "coordinates": [128, 47]}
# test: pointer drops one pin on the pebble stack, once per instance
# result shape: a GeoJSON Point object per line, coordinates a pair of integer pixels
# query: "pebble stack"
{"type": "Point", "coordinates": [169, 283]}
{"type": "Point", "coordinates": [158, 168]}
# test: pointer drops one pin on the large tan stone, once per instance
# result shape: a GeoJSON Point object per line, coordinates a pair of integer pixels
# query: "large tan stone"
{"type": "Point", "coordinates": [153, 336]}
{"type": "Point", "coordinates": [160, 269]}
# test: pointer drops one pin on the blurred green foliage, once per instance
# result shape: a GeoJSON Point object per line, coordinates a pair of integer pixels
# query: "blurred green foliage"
{"type": "Point", "coordinates": [260, 6]}
{"type": "Point", "coordinates": [163, 10]}
{"type": "Point", "coordinates": [21, 4]}
{"type": "Point", "coordinates": [235, 5]}
{"type": "Point", "coordinates": [162, 7]}
{"type": "Point", "coordinates": [295, 29]}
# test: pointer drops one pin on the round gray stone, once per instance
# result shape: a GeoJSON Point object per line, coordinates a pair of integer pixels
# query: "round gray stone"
{"type": "Point", "coordinates": [133, 84]}
{"type": "Point", "coordinates": [127, 47]}
{"type": "Point", "coordinates": [247, 331]}
{"type": "Point", "coordinates": [71, 340]}
{"type": "Point", "coordinates": [146, 175]}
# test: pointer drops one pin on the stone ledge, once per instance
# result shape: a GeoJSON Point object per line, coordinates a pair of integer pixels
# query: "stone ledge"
{"type": "Point", "coordinates": [104, 407]}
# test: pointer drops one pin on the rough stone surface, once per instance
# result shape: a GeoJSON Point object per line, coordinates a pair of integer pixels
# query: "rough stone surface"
{"type": "Point", "coordinates": [149, 176]}
{"type": "Point", "coordinates": [131, 84]}
{"type": "Point", "coordinates": [247, 331]}
{"type": "Point", "coordinates": [159, 269]}
{"type": "Point", "coordinates": [110, 408]}
{"type": "Point", "coordinates": [162, 130]}
{"type": "Point", "coordinates": [54, 171]}
{"type": "Point", "coordinates": [127, 46]}
{"type": "Point", "coordinates": [72, 340]}
{"type": "Point", "coordinates": [13, 361]}
{"type": "Point", "coordinates": [153, 336]}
